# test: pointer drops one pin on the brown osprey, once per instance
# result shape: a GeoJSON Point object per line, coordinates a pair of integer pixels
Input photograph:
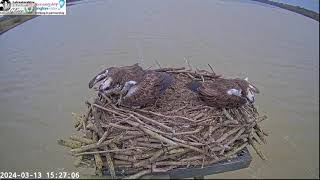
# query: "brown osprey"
{"type": "Point", "coordinates": [147, 91]}
{"type": "Point", "coordinates": [225, 93]}
{"type": "Point", "coordinates": [113, 76]}
{"type": "Point", "coordinates": [137, 87]}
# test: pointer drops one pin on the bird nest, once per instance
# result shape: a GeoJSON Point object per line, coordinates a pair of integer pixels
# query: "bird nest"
{"type": "Point", "coordinates": [178, 130]}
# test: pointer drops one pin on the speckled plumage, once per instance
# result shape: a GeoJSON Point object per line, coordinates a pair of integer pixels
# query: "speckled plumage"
{"type": "Point", "coordinates": [119, 75]}
{"type": "Point", "coordinates": [215, 93]}
{"type": "Point", "coordinates": [145, 86]}
{"type": "Point", "coordinates": [147, 91]}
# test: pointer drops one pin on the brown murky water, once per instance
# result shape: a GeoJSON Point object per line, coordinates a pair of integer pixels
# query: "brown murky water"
{"type": "Point", "coordinates": [46, 63]}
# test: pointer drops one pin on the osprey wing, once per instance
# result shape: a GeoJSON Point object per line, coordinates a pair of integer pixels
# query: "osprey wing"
{"type": "Point", "coordinates": [215, 94]}
{"type": "Point", "coordinates": [152, 86]}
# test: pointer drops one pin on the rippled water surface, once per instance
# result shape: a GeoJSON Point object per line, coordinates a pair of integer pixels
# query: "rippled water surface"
{"type": "Point", "coordinates": [46, 63]}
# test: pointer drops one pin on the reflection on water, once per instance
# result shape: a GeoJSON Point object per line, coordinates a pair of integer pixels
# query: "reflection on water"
{"type": "Point", "coordinates": [47, 62]}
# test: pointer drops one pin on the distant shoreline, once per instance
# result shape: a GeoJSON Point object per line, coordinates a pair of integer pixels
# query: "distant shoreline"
{"type": "Point", "coordinates": [9, 22]}
{"type": "Point", "coordinates": [296, 9]}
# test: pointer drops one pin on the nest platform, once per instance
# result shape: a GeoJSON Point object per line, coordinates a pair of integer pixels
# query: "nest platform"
{"type": "Point", "coordinates": [178, 131]}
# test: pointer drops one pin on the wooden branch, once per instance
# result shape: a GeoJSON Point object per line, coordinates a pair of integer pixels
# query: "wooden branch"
{"type": "Point", "coordinates": [150, 145]}
{"type": "Point", "coordinates": [152, 134]}
{"type": "Point", "coordinates": [209, 132]}
{"type": "Point", "coordinates": [185, 142]}
{"type": "Point", "coordinates": [257, 149]}
{"type": "Point", "coordinates": [212, 69]}
{"type": "Point", "coordinates": [147, 139]}
{"type": "Point", "coordinates": [119, 126]}
{"type": "Point", "coordinates": [174, 156]}
{"type": "Point", "coordinates": [107, 151]}
{"type": "Point", "coordinates": [171, 117]}
{"type": "Point", "coordinates": [146, 118]}
{"type": "Point", "coordinates": [78, 161]}
{"type": "Point", "coordinates": [190, 132]}
{"type": "Point", "coordinates": [110, 164]}
{"type": "Point", "coordinates": [97, 124]}
{"type": "Point", "coordinates": [103, 137]}
{"type": "Point", "coordinates": [163, 169]}
{"type": "Point", "coordinates": [119, 162]}
{"type": "Point", "coordinates": [97, 157]}
{"type": "Point", "coordinates": [109, 110]}
{"type": "Point", "coordinates": [261, 136]}
{"type": "Point", "coordinates": [139, 174]}
{"type": "Point", "coordinates": [124, 158]}
{"type": "Point", "coordinates": [155, 156]}
{"type": "Point", "coordinates": [176, 163]}
{"type": "Point", "coordinates": [188, 63]}
{"type": "Point", "coordinates": [169, 69]}
{"type": "Point", "coordinates": [227, 134]}
{"type": "Point", "coordinates": [92, 127]}
{"type": "Point", "coordinates": [235, 137]}
{"type": "Point", "coordinates": [227, 114]}
{"type": "Point", "coordinates": [95, 145]}
{"type": "Point", "coordinates": [192, 148]}
{"type": "Point", "coordinates": [81, 139]}
{"type": "Point", "coordinates": [159, 65]}
{"type": "Point", "coordinates": [196, 74]}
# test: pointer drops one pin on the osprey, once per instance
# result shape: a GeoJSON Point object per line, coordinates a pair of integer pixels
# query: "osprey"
{"type": "Point", "coordinates": [225, 93]}
{"type": "Point", "coordinates": [136, 86]}
{"type": "Point", "coordinates": [114, 76]}
{"type": "Point", "coordinates": [147, 91]}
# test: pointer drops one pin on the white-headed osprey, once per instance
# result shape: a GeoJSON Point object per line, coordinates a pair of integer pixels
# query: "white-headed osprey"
{"type": "Point", "coordinates": [137, 87]}
{"type": "Point", "coordinates": [225, 93]}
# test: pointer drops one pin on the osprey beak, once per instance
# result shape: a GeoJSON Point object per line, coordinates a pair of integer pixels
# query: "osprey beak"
{"type": "Point", "coordinates": [98, 78]}
{"type": "Point", "coordinates": [254, 89]}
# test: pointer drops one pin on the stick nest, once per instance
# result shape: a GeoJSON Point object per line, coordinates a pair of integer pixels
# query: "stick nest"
{"type": "Point", "coordinates": [179, 130]}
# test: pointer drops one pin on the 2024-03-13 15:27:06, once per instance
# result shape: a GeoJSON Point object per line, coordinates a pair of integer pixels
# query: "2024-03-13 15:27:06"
{"type": "Point", "coordinates": [38, 175]}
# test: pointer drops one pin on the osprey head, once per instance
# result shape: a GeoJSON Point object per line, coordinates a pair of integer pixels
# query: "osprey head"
{"type": "Point", "coordinates": [250, 95]}
{"type": "Point", "coordinates": [102, 80]}
{"type": "Point", "coordinates": [113, 76]}
{"type": "Point", "coordinates": [251, 91]}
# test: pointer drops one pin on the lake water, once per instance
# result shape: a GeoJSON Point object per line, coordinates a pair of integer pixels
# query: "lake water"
{"type": "Point", "coordinates": [46, 63]}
